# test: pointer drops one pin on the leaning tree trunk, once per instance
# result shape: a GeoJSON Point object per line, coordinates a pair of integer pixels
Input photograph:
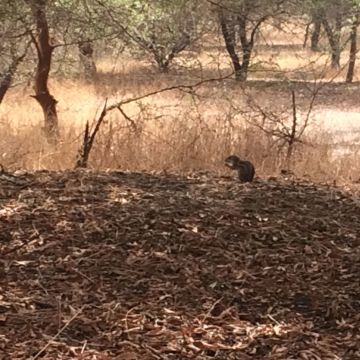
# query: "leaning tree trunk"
{"type": "Point", "coordinates": [7, 76]}
{"type": "Point", "coordinates": [86, 53]}
{"type": "Point", "coordinates": [315, 35]}
{"type": "Point", "coordinates": [44, 52]}
{"type": "Point", "coordinates": [334, 40]}
{"type": "Point", "coordinates": [164, 58]}
{"type": "Point", "coordinates": [353, 49]}
{"type": "Point", "coordinates": [247, 47]}
{"type": "Point", "coordinates": [228, 31]}
{"type": "Point", "coordinates": [180, 45]}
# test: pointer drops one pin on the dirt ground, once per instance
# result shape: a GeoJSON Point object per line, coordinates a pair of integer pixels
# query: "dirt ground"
{"type": "Point", "coordinates": [117, 265]}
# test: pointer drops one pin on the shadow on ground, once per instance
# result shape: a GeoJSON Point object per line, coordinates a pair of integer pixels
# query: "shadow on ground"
{"type": "Point", "coordinates": [150, 266]}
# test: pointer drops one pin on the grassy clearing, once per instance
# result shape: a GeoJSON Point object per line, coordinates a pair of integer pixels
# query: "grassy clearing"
{"type": "Point", "coordinates": [176, 131]}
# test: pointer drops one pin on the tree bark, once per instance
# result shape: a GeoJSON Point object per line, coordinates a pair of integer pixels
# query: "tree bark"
{"type": "Point", "coordinates": [86, 52]}
{"type": "Point", "coordinates": [315, 35]}
{"type": "Point", "coordinates": [44, 51]}
{"type": "Point", "coordinates": [7, 76]}
{"type": "Point", "coordinates": [334, 40]}
{"type": "Point", "coordinates": [164, 59]}
{"type": "Point", "coordinates": [353, 49]}
{"type": "Point", "coordinates": [306, 36]}
{"type": "Point", "coordinates": [292, 134]}
{"type": "Point", "coordinates": [182, 43]}
{"type": "Point", "coordinates": [246, 46]}
{"type": "Point", "coordinates": [228, 31]}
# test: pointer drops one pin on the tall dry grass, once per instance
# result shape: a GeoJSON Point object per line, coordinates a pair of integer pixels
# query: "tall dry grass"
{"type": "Point", "coordinates": [174, 130]}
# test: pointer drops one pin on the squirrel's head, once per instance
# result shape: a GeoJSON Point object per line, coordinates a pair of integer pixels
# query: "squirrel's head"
{"type": "Point", "coordinates": [232, 162]}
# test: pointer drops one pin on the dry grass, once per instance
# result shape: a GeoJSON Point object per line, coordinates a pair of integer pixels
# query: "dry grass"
{"type": "Point", "coordinates": [175, 131]}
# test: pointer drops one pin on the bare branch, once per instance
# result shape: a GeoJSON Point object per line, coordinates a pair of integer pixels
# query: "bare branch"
{"type": "Point", "coordinates": [128, 118]}
{"type": "Point", "coordinates": [88, 141]}
{"type": "Point", "coordinates": [166, 89]}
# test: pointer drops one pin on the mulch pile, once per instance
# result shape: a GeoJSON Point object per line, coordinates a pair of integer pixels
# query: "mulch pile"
{"type": "Point", "coordinates": [118, 265]}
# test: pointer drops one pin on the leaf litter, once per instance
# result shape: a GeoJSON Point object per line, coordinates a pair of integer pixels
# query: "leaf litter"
{"type": "Point", "coordinates": [120, 265]}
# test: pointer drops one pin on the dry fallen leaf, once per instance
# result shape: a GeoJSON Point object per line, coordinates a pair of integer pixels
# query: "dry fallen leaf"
{"type": "Point", "coordinates": [171, 265]}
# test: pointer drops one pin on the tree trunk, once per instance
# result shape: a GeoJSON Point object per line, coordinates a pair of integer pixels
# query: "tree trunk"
{"type": "Point", "coordinates": [353, 49]}
{"type": "Point", "coordinates": [338, 28]}
{"type": "Point", "coordinates": [180, 45]}
{"type": "Point", "coordinates": [315, 35]}
{"type": "Point", "coordinates": [164, 60]}
{"type": "Point", "coordinates": [306, 36]}
{"type": "Point", "coordinates": [291, 139]}
{"type": "Point", "coordinates": [159, 55]}
{"type": "Point", "coordinates": [44, 52]}
{"type": "Point", "coordinates": [245, 64]}
{"type": "Point", "coordinates": [228, 31]}
{"type": "Point", "coordinates": [161, 61]}
{"type": "Point", "coordinates": [86, 52]}
{"type": "Point", "coordinates": [334, 41]}
{"type": "Point", "coordinates": [246, 46]}
{"type": "Point", "coordinates": [7, 76]}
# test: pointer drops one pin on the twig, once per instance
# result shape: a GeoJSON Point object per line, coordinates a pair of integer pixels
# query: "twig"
{"type": "Point", "coordinates": [126, 321]}
{"type": "Point", "coordinates": [273, 319]}
{"type": "Point", "coordinates": [153, 351]}
{"type": "Point", "coordinates": [58, 333]}
{"type": "Point", "coordinates": [128, 118]}
{"type": "Point", "coordinates": [211, 309]}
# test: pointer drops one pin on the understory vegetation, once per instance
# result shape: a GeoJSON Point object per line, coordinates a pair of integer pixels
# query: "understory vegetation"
{"type": "Point", "coordinates": [292, 107]}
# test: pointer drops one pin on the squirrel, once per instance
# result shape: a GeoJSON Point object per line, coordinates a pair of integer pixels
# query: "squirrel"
{"type": "Point", "coordinates": [244, 168]}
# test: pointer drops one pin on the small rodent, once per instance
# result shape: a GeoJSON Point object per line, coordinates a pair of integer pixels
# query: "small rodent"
{"type": "Point", "coordinates": [244, 168]}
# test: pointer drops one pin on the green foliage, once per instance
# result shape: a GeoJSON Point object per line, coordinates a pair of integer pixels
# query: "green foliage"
{"type": "Point", "coordinates": [160, 27]}
{"type": "Point", "coordinates": [13, 25]}
{"type": "Point", "coordinates": [161, 19]}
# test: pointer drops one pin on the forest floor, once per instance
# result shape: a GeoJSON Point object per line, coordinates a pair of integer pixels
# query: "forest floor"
{"type": "Point", "coordinates": [117, 265]}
